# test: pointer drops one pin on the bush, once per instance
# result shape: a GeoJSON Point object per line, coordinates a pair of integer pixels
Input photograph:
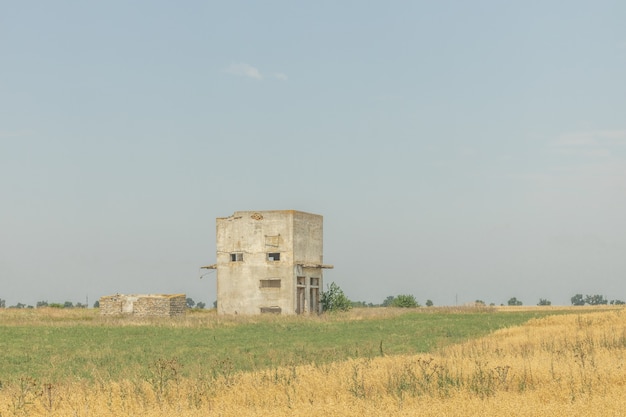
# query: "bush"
{"type": "Point", "coordinates": [578, 300]}
{"type": "Point", "coordinates": [334, 299]}
{"type": "Point", "coordinates": [387, 302]}
{"type": "Point", "coordinates": [359, 304]}
{"type": "Point", "coordinates": [595, 300]}
{"type": "Point", "coordinates": [404, 301]}
{"type": "Point", "coordinates": [514, 302]}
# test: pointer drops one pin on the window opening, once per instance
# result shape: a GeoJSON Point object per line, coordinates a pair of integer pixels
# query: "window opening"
{"type": "Point", "coordinates": [300, 300]}
{"type": "Point", "coordinates": [236, 257]}
{"type": "Point", "coordinates": [270, 283]}
{"type": "Point", "coordinates": [271, 310]}
{"type": "Point", "coordinates": [315, 282]}
{"type": "Point", "coordinates": [315, 299]}
{"type": "Point", "coordinates": [273, 256]}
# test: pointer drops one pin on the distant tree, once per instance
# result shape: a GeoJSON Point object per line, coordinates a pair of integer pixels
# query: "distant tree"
{"type": "Point", "coordinates": [80, 305]}
{"type": "Point", "coordinates": [429, 303]}
{"type": "Point", "coordinates": [334, 299]}
{"type": "Point", "coordinates": [595, 300]}
{"type": "Point", "coordinates": [42, 304]}
{"type": "Point", "coordinates": [3, 303]}
{"type": "Point", "coordinates": [544, 302]}
{"type": "Point", "coordinates": [388, 301]}
{"type": "Point", "coordinates": [190, 302]}
{"type": "Point", "coordinates": [617, 302]}
{"type": "Point", "coordinates": [96, 304]}
{"type": "Point", "coordinates": [68, 304]}
{"type": "Point", "coordinates": [19, 305]}
{"type": "Point", "coordinates": [215, 304]}
{"type": "Point", "coordinates": [479, 302]}
{"type": "Point", "coordinates": [514, 302]}
{"type": "Point", "coordinates": [405, 301]}
{"type": "Point", "coordinates": [200, 305]}
{"type": "Point", "coordinates": [578, 300]}
{"type": "Point", "coordinates": [358, 303]}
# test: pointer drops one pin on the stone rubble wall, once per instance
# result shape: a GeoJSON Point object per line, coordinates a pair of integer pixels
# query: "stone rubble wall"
{"type": "Point", "coordinates": [153, 305]}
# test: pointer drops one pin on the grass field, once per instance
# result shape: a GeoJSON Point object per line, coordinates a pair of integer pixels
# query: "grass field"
{"type": "Point", "coordinates": [370, 361]}
{"type": "Point", "coordinates": [55, 344]}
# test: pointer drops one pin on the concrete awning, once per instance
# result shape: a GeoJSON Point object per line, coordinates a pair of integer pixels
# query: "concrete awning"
{"type": "Point", "coordinates": [304, 265]}
{"type": "Point", "coordinates": [323, 266]}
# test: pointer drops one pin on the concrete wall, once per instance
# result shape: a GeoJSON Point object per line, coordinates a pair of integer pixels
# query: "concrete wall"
{"type": "Point", "coordinates": [308, 238]}
{"type": "Point", "coordinates": [243, 284]}
{"type": "Point", "coordinates": [152, 305]}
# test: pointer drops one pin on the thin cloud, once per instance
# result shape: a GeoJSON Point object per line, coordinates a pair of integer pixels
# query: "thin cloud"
{"type": "Point", "coordinates": [244, 70]}
{"type": "Point", "coordinates": [593, 138]}
{"type": "Point", "coordinates": [592, 159]}
{"type": "Point", "coordinates": [590, 144]}
{"type": "Point", "coordinates": [15, 133]}
{"type": "Point", "coordinates": [586, 159]}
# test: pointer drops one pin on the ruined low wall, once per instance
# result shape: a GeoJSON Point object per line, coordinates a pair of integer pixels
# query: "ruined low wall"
{"type": "Point", "coordinates": [151, 305]}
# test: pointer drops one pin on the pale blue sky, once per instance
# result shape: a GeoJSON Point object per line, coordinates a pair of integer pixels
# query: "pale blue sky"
{"type": "Point", "coordinates": [458, 150]}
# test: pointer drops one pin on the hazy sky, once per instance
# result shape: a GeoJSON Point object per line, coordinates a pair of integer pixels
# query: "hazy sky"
{"type": "Point", "coordinates": [458, 150]}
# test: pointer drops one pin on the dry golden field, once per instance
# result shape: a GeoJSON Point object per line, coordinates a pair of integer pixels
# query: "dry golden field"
{"type": "Point", "coordinates": [565, 365]}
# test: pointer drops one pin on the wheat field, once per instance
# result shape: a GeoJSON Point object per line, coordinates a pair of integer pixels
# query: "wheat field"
{"type": "Point", "coordinates": [566, 365]}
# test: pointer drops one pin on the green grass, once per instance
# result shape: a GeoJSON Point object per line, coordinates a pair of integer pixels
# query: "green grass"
{"type": "Point", "coordinates": [95, 349]}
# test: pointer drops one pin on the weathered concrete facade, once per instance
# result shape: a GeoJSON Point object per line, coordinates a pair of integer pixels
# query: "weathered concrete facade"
{"type": "Point", "coordinates": [269, 262]}
{"type": "Point", "coordinates": [152, 305]}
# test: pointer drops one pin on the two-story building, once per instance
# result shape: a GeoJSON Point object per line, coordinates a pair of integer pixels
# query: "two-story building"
{"type": "Point", "coordinates": [269, 262]}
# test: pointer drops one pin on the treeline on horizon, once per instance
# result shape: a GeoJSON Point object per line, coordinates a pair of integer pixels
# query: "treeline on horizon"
{"type": "Point", "coordinates": [401, 300]}
{"type": "Point", "coordinates": [68, 304]}
{"type": "Point", "coordinates": [577, 300]}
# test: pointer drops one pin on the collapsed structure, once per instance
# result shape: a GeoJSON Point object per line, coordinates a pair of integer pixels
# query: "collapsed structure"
{"type": "Point", "coordinates": [150, 305]}
{"type": "Point", "coordinates": [269, 262]}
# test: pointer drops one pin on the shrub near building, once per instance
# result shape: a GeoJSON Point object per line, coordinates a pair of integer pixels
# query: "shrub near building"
{"type": "Point", "coordinates": [334, 299]}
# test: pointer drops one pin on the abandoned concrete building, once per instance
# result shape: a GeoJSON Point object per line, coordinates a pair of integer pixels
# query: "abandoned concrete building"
{"type": "Point", "coordinates": [269, 262]}
{"type": "Point", "coordinates": [151, 305]}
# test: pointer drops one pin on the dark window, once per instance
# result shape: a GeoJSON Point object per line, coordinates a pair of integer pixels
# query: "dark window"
{"type": "Point", "coordinates": [271, 310]}
{"type": "Point", "coordinates": [273, 256]}
{"type": "Point", "coordinates": [270, 283]}
{"type": "Point", "coordinates": [236, 257]}
{"type": "Point", "coordinates": [315, 282]}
